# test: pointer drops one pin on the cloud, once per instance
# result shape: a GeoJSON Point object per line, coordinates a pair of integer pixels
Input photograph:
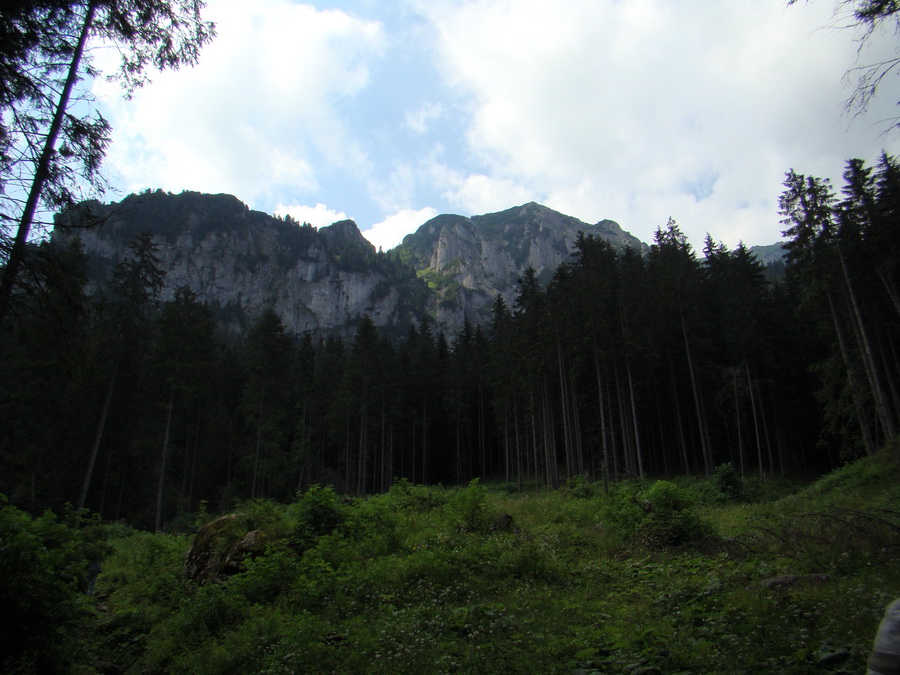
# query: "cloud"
{"type": "Point", "coordinates": [477, 193]}
{"type": "Point", "coordinates": [634, 111]}
{"type": "Point", "coordinates": [317, 216]}
{"type": "Point", "coordinates": [694, 110]}
{"type": "Point", "coordinates": [390, 232]}
{"type": "Point", "coordinates": [421, 119]}
{"type": "Point", "coordinates": [260, 115]}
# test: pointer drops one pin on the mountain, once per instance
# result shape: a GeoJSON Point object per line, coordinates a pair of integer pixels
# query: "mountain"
{"type": "Point", "coordinates": [240, 261]}
{"type": "Point", "coordinates": [773, 253]}
{"type": "Point", "coordinates": [468, 261]}
{"type": "Point", "coordinates": [323, 281]}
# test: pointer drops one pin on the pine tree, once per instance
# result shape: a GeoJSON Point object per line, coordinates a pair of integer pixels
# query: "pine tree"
{"type": "Point", "coordinates": [134, 296]}
{"type": "Point", "coordinates": [181, 359]}
{"type": "Point", "coordinates": [267, 404]}
{"type": "Point", "coordinates": [44, 55]}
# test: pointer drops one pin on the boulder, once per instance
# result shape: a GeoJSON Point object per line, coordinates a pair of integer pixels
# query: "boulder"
{"type": "Point", "coordinates": [220, 548]}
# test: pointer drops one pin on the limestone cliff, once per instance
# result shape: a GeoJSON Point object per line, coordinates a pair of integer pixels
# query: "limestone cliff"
{"type": "Point", "coordinates": [468, 261]}
{"type": "Point", "coordinates": [323, 281]}
{"type": "Point", "coordinates": [320, 281]}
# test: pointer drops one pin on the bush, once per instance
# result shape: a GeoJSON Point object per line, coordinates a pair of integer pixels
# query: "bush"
{"type": "Point", "coordinates": [668, 520]}
{"type": "Point", "coordinates": [579, 486]}
{"type": "Point", "coordinates": [42, 579]}
{"type": "Point", "coordinates": [318, 512]}
{"type": "Point", "coordinates": [264, 577]}
{"type": "Point", "coordinates": [265, 515]}
{"type": "Point", "coordinates": [200, 616]}
{"type": "Point", "coordinates": [372, 527]}
{"type": "Point", "coordinates": [468, 509]}
{"type": "Point", "coordinates": [405, 496]}
{"type": "Point", "coordinates": [146, 572]}
{"type": "Point", "coordinates": [658, 516]}
{"type": "Point", "coordinates": [727, 482]}
{"type": "Point", "coordinates": [621, 511]}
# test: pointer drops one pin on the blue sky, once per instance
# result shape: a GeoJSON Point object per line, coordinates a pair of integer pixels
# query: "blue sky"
{"type": "Point", "coordinates": [392, 112]}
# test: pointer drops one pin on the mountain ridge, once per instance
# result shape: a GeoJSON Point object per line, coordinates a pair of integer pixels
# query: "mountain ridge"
{"type": "Point", "coordinates": [325, 280]}
{"type": "Point", "coordinates": [469, 261]}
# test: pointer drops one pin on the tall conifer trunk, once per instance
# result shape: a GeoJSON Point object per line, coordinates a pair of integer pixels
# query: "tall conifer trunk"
{"type": "Point", "coordinates": [871, 367]}
{"type": "Point", "coordinates": [753, 408]}
{"type": "Point", "coordinates": [737, 423]}
{"type": "Point", "coordinates": [162, 460]}
{"type": "Point", "coordinates": [41, 171]}
{"type": "Point", "coordinates": [604, 437]}
{"type": "Point", "coordinates": [256, 460]}
{"type": "Point", "coordinates": [855, 387]}
{"type": "Point", "coordinates": [637, 434]}
{"type": "Point", "coordinates": [698, 401]}
{"type": "Point", "coordinates": [101, 428]}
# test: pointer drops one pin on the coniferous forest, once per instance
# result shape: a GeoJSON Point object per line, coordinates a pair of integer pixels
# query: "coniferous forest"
{"type": "Point", "coordinates": [614, 475]}
{"type": "Point", "coordinates": [672, 459]}
{"type": "Point", "coordinates": [624, 365]}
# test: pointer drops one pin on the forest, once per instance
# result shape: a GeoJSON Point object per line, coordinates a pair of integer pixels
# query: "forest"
{"type": "Point", "coordinates": [612, 476]}
{"type": "Point", "coordinates": [623, 366]}
{"type": "Point", "coordinates": [678, 461]}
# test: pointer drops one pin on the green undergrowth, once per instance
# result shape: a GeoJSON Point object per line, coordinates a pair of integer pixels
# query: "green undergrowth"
{"type": "Point", "coordinates": [695, 575]}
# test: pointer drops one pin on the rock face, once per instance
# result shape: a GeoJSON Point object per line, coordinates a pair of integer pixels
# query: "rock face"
{"type": "Point", "coordinates": [242, 261]}
{"type": "Point", "coordinates": [469, 261]}
{"type": "Point", "coordinates": [220, 547]}
{"type": "Point", "coordinates": [324, 281]}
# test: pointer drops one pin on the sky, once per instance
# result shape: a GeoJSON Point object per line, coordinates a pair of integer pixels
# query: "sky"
{"type": "Point", "coordinates": [391, 112]}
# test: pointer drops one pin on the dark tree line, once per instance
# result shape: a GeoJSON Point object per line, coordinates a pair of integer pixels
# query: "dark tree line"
{"type": "Point", "coordinates": [843, 256]}
{"type": "Point", "coordinates": [624, 365]}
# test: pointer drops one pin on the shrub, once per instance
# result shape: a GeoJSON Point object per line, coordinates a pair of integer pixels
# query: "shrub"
{"type": "Point", "coordinates": [42, 568]}
{"type": "Point", "coordinates": [621, 511]}
{"type": "Point", "coordinates": [372, 527]}
{"type": "Point", "coordinates": [727, 482]}
{"type": "Point", "coordinates": [579, 486]}
{"type": "Point", "coordinates": [668, 520]}
{"type": "Point", "coordinates": [403, 495]}
{"type": "Point", "coordinates": [265, 577]}
{"type": "Point", "coordinates": [265, 515]}
{"type": "Point", "coordinates": [658, 516]}
{"type": "Point", "coordinates": [201, 616]}
{"type": "Point", "coordinates": [146, 572]}
{"type": "Point", "coordinates": [316, 513]}
{"type": "Point", "coordinates": [468, 508]}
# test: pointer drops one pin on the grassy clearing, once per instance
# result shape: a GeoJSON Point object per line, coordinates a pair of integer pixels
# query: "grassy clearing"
{"type": "Point", "coordinates": [652, 577]}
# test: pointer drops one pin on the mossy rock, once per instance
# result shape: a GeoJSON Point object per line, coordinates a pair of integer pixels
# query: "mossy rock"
{"type": "Point", "coordinates": [220, 548]}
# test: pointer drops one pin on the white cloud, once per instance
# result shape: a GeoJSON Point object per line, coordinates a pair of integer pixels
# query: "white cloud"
{"type": "Point", "coordinates": [390, 232]}
{"type": "Point", "coordinates": [634, 111]}
{"type": "Point", "coordinates": [317, 216]}
{"type": "Point", "coordinates": [421, 119]}
{"type": "Point", "coordinates": [477, 193]}
{"type": "Point", "coordinates": [640, 110]}
{"type": "Point", "coordinates": [259, 116]}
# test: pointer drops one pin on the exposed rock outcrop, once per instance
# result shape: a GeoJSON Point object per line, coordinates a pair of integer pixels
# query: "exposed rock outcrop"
{"type": "Point", "coordinates": [323, 281]}
{"type": "Point", "coordinates": [318, 281]}
{"type": "Point", "coordinates": [220, 547]}
{"type": "Point", "coordinates": [469, 261]}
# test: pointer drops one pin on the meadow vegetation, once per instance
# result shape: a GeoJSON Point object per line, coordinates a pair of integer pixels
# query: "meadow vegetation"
{"type": "Point", "coordinates": [689, 575]}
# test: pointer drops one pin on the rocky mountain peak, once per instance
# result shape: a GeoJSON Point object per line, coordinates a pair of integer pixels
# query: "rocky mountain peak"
{"type": "Point", "coordinates": [324, 281]}
{"type": "Point", "coordinates": [467, 262]}
{"type": "Point", "coordinates": [344, 233]}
